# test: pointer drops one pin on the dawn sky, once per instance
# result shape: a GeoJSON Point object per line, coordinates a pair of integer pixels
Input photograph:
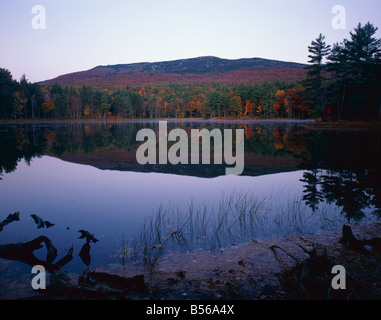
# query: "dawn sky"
{"type": "Point", "coordinates": [81, 34]}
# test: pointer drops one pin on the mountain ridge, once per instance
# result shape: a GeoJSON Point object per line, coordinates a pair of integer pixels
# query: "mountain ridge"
{"type": "Point", "coordinates": [205, 69]}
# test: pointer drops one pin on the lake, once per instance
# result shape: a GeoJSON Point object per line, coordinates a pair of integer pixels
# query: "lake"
{"type": "Point", "coordinates": [84, 176]}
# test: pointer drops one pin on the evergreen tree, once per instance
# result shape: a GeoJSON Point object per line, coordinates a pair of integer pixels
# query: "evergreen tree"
{"type": "Point", "coordinates": [8, 87]}
{"type": "Point", "coordinates": [338, 66]}
{"type": "Point", "coordinates": [355, 68]}
{"type": "Point", "coordinates": [316, 84]}
{"type": "Point", "coordinates": [364, 60]}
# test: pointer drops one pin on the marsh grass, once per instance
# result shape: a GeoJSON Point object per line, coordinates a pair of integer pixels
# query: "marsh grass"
{"type": "Point", "coordinates": [239, 217]}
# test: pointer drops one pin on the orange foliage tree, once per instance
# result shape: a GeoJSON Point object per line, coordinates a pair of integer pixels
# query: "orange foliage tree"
{"type": "Point", "coordinates": [194, 107]}
{"type": "Point", "coordinates": [292, 102]}
{"type": "Point", "coordinates": [47, 106]}
{"type": "Point", "coordinates": [235, 104]}
{"type": "Point", "coordinates": [249, 107]}
{"type": "Point", "coordinates": [19, 104]}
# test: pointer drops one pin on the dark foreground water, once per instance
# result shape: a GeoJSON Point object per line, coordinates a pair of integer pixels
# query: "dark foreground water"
{"type": "Point", "coordinates": [82, 175]}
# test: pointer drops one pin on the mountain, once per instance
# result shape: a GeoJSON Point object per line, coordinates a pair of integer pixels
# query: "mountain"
{"type": "Point", "coordinates": [201, 70]}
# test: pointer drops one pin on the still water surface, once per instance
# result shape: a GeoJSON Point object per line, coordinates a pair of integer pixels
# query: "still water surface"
{"type": "Point", "coordinates": [85, 176]}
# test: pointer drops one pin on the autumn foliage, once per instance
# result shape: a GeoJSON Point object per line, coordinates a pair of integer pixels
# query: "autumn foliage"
{"type": "Point", "coordinates": [268, 100]}
{"type": "Point", "coordinates": [292, 103]}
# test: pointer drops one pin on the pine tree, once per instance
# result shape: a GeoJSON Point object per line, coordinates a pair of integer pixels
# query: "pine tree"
{"type": "Point", "coordinates": [338, 66]}
{"type": "Point", "coordinates": [8, 87]}
{"type": "Point", "coordinates": [316, 83]}
{"type": "Point", "coordinates": [364, 60]}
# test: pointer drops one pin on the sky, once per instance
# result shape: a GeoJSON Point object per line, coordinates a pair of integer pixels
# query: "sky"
{"type": "Point", "coordinates": [81, 34]}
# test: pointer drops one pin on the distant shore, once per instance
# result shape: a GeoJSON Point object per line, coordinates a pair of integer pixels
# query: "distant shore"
{"type": "Point", "coordinates": [311, 123]}
{"type": "Point", "coordinates": [345, 124]}
{"type": "Point", "coordinates": [230, 119]}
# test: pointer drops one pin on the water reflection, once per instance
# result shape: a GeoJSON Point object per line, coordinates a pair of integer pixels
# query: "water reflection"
{"type": "Point", "coordinates": [353, 191]}
{"type": "Point", "coordinates": [84, 176]}
{"type": "Point", "coordinates": [269, 148]}
{"type": "Point", "coordinates": [341, 167]}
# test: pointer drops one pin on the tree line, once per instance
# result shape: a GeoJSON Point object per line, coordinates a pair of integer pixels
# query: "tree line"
{"type": "Point", "coordinates": [343, 82]}
{"type": "Point", "coordinates": [25, 100]}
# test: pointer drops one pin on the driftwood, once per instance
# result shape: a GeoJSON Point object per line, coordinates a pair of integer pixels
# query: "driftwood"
{"type": "Point", "coordinates": [85, 254]}
{"type": "Point", "coordinates": [350, 241]}
{"type": "Point", "coordinates": [88, 289]}
{"type": "Point", "coordinates": [88, 236]}
{"type": "Point", "coordinates": [11, 217]}
{"type": "Point", "coordinates": [113, 286]}
{"type": "Point", "coordinates": [40, 222]}
{"type": "Point", "coordinates": [134, 284]}
{"type": "Point", "coordinates": [93, 286]}
{"type": "Point", "coordinates": [24, 252]}
{"type": "Point", "coordinates": [85, 250]}
{"type": "Point", "coordinates": [66, 259]}
{"type": "Point", "coordinates": [312, 277]}
{"type": "Point", "coordinates": [308, 279]}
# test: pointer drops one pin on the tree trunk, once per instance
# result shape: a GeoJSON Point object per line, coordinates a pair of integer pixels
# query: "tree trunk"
{"type": "Point", "coordinates": [32, 99]}
{"type": "Point", "coordinates": [342, 102]}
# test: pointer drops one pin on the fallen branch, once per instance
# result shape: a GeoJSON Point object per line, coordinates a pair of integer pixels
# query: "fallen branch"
{"type": "Point", "coordinates": [24, 252]}
{"type": "Point", "coordinates": [273, 247]}
{"type": "Point", "coordinates": [11, 217]}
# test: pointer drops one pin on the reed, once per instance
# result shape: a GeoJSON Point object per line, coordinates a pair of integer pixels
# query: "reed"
{"type": "Point", "coordinates": [239, 217]}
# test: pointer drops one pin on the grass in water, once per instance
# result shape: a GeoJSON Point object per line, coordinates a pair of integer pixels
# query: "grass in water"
{"type": "Point", "coordinates": [238, 217]}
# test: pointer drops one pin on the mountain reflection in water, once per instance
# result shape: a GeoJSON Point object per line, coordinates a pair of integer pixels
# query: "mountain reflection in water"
{"type": "Point", "coordinates": [340, 167]}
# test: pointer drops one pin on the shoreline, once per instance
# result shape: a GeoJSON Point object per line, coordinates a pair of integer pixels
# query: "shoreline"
{"type": "Point", "coordinates": [251, 271]}
{"type": "Point", "coordinates": [244, 271]}
{"type": "Point", "coordinates": [5, 121]}
{"type": "Point", "coordinates": [310, 123]}
{"type": "Point", "coordinates": [345, 124]}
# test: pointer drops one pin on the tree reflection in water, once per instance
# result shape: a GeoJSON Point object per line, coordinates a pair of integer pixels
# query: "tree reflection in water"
{"type": "Point", "coordinates": [342, 167]}
{"type": "Point", "coordinates": [353, 191]}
